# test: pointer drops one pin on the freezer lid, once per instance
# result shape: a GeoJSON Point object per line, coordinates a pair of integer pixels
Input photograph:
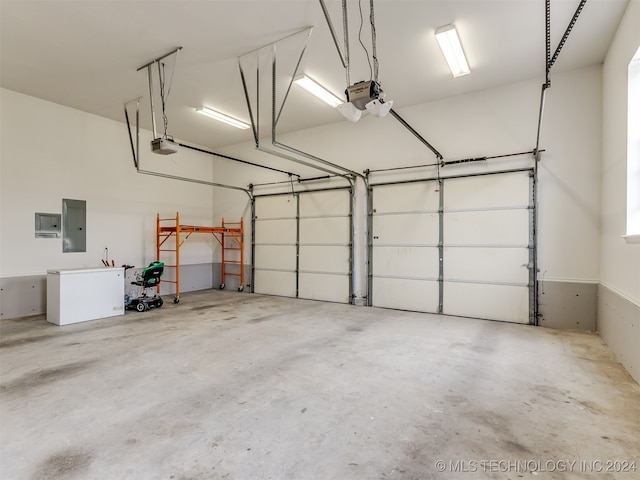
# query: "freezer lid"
{"type": "Point", "coordinates": [73, 271]}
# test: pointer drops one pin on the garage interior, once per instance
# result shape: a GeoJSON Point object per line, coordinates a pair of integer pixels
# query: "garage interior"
{"type": "Point", "coordinates": [437, 276]}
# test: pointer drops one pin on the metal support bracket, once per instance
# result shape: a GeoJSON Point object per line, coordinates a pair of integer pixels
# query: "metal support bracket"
{"type": "Point", "coordinates": [277, 109]}
{"type": "Point", "coordinates": [162, 94]}
{"type": "Point", "coordinates": [135, 149]}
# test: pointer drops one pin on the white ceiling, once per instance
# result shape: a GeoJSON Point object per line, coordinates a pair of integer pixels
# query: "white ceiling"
{"type": "Point", "coordinates": [85, 54]}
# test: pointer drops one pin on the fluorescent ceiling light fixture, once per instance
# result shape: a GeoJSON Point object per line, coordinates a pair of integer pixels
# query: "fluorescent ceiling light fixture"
{"type": "Point", "coordinates": [318, 90]}
{"type": "Point", "coordinates": [221, 117]}
{"type": "Point", "coordinates": [451, 47]}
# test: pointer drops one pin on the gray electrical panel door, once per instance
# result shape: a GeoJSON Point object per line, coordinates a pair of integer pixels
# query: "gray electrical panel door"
{"type": "Point", "coordinates": [48, 225]}
{"type": "Point", "coordinates": [74, 222]}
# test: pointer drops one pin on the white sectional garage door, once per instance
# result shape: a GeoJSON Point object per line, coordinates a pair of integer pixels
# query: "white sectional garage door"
{"type": "Point", "coordinates": [461, 249]}
{"type": "Point", "coordinates": [303, 245]}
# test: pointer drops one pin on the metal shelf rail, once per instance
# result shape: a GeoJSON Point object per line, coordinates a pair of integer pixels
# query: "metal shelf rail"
{"type": "Point", "coordinates": [230, 236]}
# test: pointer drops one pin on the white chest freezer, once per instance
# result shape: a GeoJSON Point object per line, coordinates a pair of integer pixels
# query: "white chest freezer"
{"type": "Point", "coordinates": [82, 294]}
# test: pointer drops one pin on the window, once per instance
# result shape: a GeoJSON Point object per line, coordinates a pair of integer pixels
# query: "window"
{"type": "Point", "coordinates": [633, 151]}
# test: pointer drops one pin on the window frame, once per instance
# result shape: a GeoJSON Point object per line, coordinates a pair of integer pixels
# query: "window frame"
{"type": "Point", "coordinates": [633, 151]}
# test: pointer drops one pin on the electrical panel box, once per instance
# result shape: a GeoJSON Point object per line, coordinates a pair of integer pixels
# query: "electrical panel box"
{"type": "Point", "coordinates": [48, 225]}
{"type": "Point", "coordinates": [74, 216]}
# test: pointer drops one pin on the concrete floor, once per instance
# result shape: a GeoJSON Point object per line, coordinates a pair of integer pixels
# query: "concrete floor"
{"type": "Point", "coordinates": [229, 385]}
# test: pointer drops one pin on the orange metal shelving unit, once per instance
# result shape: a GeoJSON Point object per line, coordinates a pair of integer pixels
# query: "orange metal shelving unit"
{"type": "Point", "coordinates": [230, 236]}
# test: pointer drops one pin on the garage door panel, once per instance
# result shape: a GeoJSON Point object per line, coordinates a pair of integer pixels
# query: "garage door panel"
{"type": "Point", "coordinates": [328, 203]}
{"type": "Point", "coordinates": [403, 294]}
{"type": "Point", "coordinates": [329, 288]}
{"type": "Point", "coordinates": [405, 221]}
{"type": "Point", "coordinates": [507, 265]}
{"type": "Point", "coordinates": [276, 231]}
{"type": "Point", "coordinates": [324, 259]}
{"type": "Point", "coordinates": [509, 189]}
{"type": "Point", "coordinates": [325, 237]}
{"type": "Point", "coordinates": [279, 257]}
{"type": "Point", "coordinates": [277, 206]}
{"type": "Point", "coordinates": [495, 302]}
{"type": "Point", "coordinates": [416, 262]}
{"type": "Point", "coordinates": [406, 229]}
{"type": "Point", "coordinates": [325, 230]}
{"type": "Point", "coordinates": [422, 196]}
{"type": "Point", "coordinates": [275, 283]}
{"type": "Point", "coordinates": [494, 227]}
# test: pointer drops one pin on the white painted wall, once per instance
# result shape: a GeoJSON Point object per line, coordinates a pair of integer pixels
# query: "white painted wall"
{"type": "Point", "coordinates": [569, 193]}
{"type": "Point", "coordinates": [620, 262]}
{"type": "Point", "coordinates": [619, 320]}
{"type": "Point", "coordinates": [50, 152]}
